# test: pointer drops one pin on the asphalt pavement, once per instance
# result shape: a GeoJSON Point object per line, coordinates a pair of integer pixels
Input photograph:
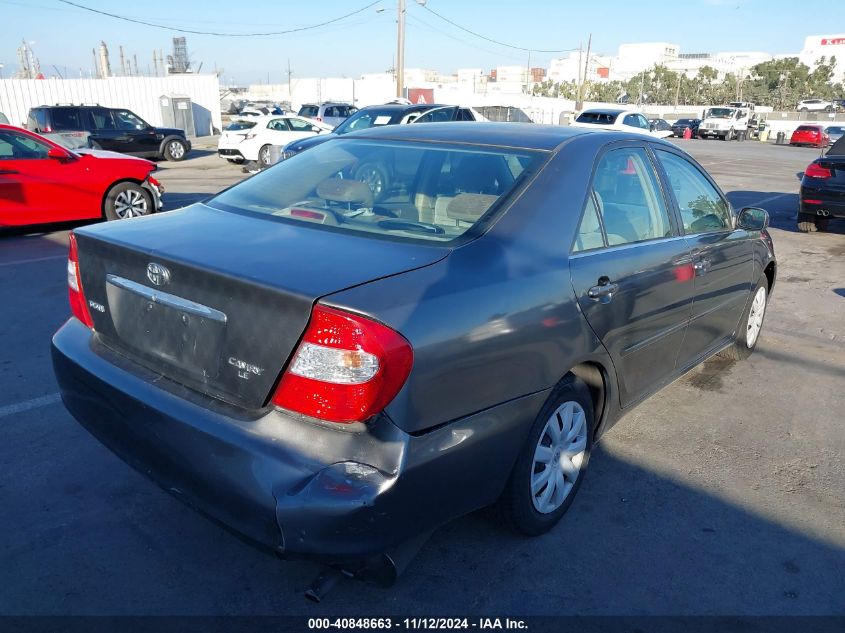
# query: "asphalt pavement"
{"type": "Point", "coordinates": [722, 494]}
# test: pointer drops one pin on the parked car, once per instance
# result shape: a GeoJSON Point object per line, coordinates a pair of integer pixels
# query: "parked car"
{"type": "Point", "coordinates": [815, 105]}
{"type": "Point", "coordinates": [445, 114]}
{"type": "Point", "coordinates": [251, 140]}
{"type": "Point", "coordinates": [329, 112]}
{"type": "Point", "coordinates": [115, 129]}
{"type": "Point", "coordinates": [41, 181]}
{"type": "Point", "coordinates": [813, 135]}
{"type": "Point", "coordinates": [334, 377]}
{"type": "Point", "coordinates": [617, 120]}
{"type": "Point", "coordinates": [680, 125]}
{"type": "Point", "coordinates": [834, 133]}
{"type": "Point", "coordinates": [822, 194]}
{"type": "Point", "coordinates": [377, 174]}
{"type": "Point", "coordinates": [660, 128]}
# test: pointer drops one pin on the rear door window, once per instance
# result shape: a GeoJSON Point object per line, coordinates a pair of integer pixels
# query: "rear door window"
{"type": "Point", "coordinates": [66, 119]}
{"type": "Point", "coordinates": [702, 208]}
{"type": "Point", "coordinates": [102, 118]}
{"type": "Point", "coordinates": [629, 197]}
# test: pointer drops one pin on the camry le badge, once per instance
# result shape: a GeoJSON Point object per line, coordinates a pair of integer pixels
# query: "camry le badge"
{"type": "Point", "coordinates": [157, 274]}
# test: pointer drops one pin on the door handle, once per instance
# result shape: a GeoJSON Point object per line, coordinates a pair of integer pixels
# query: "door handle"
{"type": "Point", "coordinates": [702, 266]}
{"type": "Point", "coordinates": [123, 138]}
{"type": "Point", "coordinates": [603, 291]}
{"type": "Point", "coordinates": [3, 172]}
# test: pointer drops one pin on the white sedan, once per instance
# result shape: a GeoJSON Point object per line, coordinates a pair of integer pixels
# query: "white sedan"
{"type": "Point", "coordinates": [251, 139]}
{"type": "Point", "coordinates": [618, 120]}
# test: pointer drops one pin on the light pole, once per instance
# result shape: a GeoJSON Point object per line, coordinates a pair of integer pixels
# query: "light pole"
{"type": "Point", "coordinates": [400, 49]}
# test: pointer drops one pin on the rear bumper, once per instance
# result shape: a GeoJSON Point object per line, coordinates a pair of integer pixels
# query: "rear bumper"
{"type": "Point", "coordinates": [225, 152]}
{"type": "Point", "coordinates": [830, 203]}
{"type": "Point", "coordinates": [284, 482]}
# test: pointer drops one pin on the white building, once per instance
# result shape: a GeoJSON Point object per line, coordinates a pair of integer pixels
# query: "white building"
{"type": "Point", "coordinates": [565, 69]}
{"type": "Point", "coordinates": [634, 58]}
{"type": "Point", "coordinates": [827, 46]}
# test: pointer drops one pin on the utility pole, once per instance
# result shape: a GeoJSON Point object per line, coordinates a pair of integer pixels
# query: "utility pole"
{"type": "Point", "coordinates": [290, 85]}
{"type": "Point", "coordinates": [578, 93]}
{"type": "Point", "coordinates": [678, 89]}
{"type": "Point", "coordinates": [587, 64]}
{"type": "Point", "coordinates": [400, 49]}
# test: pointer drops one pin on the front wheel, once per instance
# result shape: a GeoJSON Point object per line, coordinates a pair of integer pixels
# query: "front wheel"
{"type": "Point", "coordinates": [175, 150]}
{"type": "Point", "coordinates": [127, 200]}
{"type": "Point", "coordinates": [750, 324]}
{"type": "Point", "coordinates": [552, 464]}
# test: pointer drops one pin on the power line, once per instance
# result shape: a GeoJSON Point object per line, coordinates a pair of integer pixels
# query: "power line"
{"type": "Point", "coordinates": [418, 22]}
{"type": "Point", "coordinates": [490, 39]}
{"type": "Point", "coordinates": [218, 34]}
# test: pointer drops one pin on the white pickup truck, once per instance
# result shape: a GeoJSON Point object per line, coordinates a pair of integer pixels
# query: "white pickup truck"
{"type": "Point", "coordinates": [726, 122]}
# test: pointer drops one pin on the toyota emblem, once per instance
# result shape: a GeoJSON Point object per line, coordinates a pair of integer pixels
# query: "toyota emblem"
{"type": "Point", "coordinates": [157, 274]}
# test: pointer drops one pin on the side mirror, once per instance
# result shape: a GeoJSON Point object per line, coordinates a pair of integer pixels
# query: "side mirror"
{"type": "Point", "coordinates": [652, 127]}
{"type": "Point", "coordinates": [57, 153]}
{"type": "Point", "coordinates": [753, 219]}
{"type": "Point", "coordinates": [316, 128]}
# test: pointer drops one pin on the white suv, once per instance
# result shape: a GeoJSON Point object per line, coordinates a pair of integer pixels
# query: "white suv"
{"type": "Point", "coordinates": [815, 105]}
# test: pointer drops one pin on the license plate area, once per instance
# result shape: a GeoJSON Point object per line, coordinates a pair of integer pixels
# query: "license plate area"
{"type": "Point", "coordinates": [156, 324]}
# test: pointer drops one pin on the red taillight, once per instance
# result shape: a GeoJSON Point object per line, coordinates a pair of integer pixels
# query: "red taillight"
{"type": "Point", "coordinates": [814, 170]}
{"type": "Point", "coordinates": [811, 201]}
{"type": "Point", "coordinates": [346, 369]}
{"type": "Point", "coordinates": [74, 286]}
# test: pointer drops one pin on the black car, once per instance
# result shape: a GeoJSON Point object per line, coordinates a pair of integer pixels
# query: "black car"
{"type": "Point", "coordinates": [822, 194]}
{"type": "Point", "coordinates": [680, 125]}
{"type": "Point", "coordinates": [365, 118]}
{"type": "Point", "coordinates": [335, 377]}
{"type": "Point", "coordinates": [381, 172]}
{"type": "Point", "coordinates": [659, 125]}
{"type": "Point", "coordinates": [115, 129]}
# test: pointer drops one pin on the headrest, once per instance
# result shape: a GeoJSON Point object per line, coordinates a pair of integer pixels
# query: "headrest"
{"type": "Point", "coordinates": [337, 190]}
{"type": "Point", "coordinates": [469, 206]}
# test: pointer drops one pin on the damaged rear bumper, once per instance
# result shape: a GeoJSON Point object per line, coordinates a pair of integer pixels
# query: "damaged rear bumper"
{"type": "Point", "coordinates": [288, 483]}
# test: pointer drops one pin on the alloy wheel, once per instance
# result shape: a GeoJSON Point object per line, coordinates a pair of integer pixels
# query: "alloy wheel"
{"type": "Point", "coordinates": [176, 149]}
{"type": "Point", "coordinates": [755, 317]}
{"type": "Point", "coordinates": [558, 457]}
{"type": "Point", "coordinates": [130, 203]}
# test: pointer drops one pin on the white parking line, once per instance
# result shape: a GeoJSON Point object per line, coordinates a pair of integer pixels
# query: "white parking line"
{"type": "Point", "coordinates": [31, 261]}
{"type": "Point", "coordinates": [773, 198]}
{"type": "Point", "coordinates": [27, 405]}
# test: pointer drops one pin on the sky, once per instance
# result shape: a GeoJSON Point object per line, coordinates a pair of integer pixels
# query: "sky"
{"type": "Point", "coordinates": [62, 36]}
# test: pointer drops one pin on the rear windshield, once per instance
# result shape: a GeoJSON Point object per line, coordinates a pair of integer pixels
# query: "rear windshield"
{"type": "Point", "coordinates": [364, 119]}
{"type": "Point", "coordinates": [414, 191]}
{"type": "Point", "coordinates": [239, 125]}
{"type": "Point", "coordinates": [835, 130]}
{"type": "Point", "coordinates": [602, 118]}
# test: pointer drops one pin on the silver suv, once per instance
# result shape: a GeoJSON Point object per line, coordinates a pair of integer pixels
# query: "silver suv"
{"type": "Point", "coordinates": [329, 112]}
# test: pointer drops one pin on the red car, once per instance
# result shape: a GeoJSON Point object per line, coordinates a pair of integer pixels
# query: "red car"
{"type": "Point", "coordinates": [813, 135]}
{"type": "Point", "coordinates": [41, 181]}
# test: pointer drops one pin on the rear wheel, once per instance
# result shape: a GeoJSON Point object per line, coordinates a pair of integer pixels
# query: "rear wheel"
{"type": "Point", "coordinates": [549, 471]}
{"type": "Point", "coordinates": [808, 223]}
{"type": "Point", "coordinates": [375, 177]}
{"type": "Point", "coordinates": [127, 200]}
{"type": "Point", "coordinates": [750, 324]}
{"type": "Point", "coordinates": [175, 150]}
{"type": "Point", "coordinates": [264, 156]}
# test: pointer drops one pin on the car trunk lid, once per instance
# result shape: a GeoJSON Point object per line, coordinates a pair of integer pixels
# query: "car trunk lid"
{"type": "Point", "coordinates": [218, 301]}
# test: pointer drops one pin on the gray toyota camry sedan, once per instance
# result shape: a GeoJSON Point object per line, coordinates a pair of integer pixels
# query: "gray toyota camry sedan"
{"type": "Point", "coordinates": [333, 376]}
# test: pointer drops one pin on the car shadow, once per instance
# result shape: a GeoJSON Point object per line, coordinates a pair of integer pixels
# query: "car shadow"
{"type": "Point", "coordinates": [173, 201]}
{"type": "Point", "coordinates": [782, 208]}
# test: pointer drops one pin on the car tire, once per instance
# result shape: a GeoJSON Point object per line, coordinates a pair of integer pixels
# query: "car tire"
{"type": "Point", "coordinates": [751, 323]}
{"type": "Point", "coordinates": [808, 223]}
{"type": "Point", "coordinates": [375, 177]}
{"type": "Point", "coordinates": [175, 150]}
{"type": "Point", "coordinates": [528, 505]}
{"type": "Point", "coordinates": [127, 200]}
{"type": "Point", "coordinates": [264, 158]}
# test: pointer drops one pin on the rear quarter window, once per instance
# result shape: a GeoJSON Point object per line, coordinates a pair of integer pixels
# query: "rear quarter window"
{"type": "Point", "coordinates": [66, 119]}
